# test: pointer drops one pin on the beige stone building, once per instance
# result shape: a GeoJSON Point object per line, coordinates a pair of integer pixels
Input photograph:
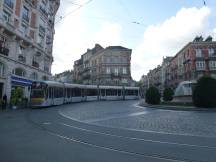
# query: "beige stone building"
{"type": "Point", "coordinates": [105, 66]}
{"type": "Point", "coordinates": [26, 40]}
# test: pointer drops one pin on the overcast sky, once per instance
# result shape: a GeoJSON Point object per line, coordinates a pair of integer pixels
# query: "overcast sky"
{"type": "Point", "coordinates": [152, 29]}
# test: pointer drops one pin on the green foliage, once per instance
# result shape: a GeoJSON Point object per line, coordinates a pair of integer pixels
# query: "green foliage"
{"type": "Point", "coordinates": [204, 92]}
{"type": "Point", "coordinates": [168, 94]}
{"type": "Point", "coordinates": [152, 96]}
{"type": "Point", "coordinates": [16, 95]}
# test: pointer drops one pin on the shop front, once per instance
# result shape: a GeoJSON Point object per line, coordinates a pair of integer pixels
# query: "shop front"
{"type": "Point", "coordinates": [22, 83]}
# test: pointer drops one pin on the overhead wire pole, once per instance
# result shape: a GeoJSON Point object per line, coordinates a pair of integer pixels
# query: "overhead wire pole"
{"type": "Point", "coordinates": [80, 6]}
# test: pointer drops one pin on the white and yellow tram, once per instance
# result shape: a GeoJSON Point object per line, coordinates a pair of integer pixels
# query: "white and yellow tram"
{"type": "Point", "coordinates": [48, 93]}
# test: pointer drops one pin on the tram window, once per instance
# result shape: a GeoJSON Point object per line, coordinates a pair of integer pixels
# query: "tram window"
{"type": "Point", "coordinates": [131, 92]}
{"type": "Point", "coordinates": [126, 92]}
{"type": "Point", "coordinates": [55, 92]}
{"type": "Point", "coordinates": [76, 92]}
{"type": "Point", "coordinates": [111, 92]}
{"type": "Point", "coordinates": [61, 92]}
{"type": "Point", "coordinates": [136, 92]}
{"type": "Point", "coordinates": [91, 92]}
{"type": "Point", "coordinates": [46, 93]}
{"type": "Point", "coordinates": [68, 92]}
{"type": "Point", "coordinates": [102, 92]}
{"type": "Point", "coordinates": [119, 92]}
{"type": "Point", "coordinates": [50, 92]}
{"type": "Point", "coordinates": [108, 92]}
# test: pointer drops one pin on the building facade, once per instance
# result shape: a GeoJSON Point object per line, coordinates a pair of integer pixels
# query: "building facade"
{"type": "Point", "coordinates": [26, 40]}
{"type": "Point", "coordinates": [104, 66]}
{"type": "Point", "coordinates": [194, 60]}
{"type": "Point", "coordinates": [65, 77]}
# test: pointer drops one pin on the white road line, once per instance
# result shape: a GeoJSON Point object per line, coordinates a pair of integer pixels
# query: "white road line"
{"type": "Point", "coordinates": [159, 157]}
{"type": "Point", "coordinates": [46, 123]}
{"type": "Point", "coordinates": [139, 139]}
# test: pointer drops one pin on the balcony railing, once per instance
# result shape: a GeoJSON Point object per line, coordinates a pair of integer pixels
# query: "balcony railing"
{"type": "Point", "coordinates": [35, 64]}
{"type": "Point", "coordinates": [4, 51]}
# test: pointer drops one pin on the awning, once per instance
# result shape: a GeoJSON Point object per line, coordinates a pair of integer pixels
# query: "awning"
{"type": "Point", "coordinates": [20, 81]}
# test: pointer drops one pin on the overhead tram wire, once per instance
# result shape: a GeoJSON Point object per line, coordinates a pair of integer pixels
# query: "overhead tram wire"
{"type": "Point", "coordinates": [129, 13]}
{"type": "Point", "coordinates": [76, 9]}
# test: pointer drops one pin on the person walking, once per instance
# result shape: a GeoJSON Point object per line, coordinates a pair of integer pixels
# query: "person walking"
{"type": "Point", "coordinates": [4, 104]}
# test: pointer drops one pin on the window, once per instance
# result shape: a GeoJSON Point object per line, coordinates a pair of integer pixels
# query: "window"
{"type": "Point", "coordinates": [108, 70]}
{"type": "Point", "coordinates": [34, 76]}
{"type": "Point", "coordinates": [200, 65]}
{"type": "Point", "coordinates": [45, 77]}
{"type": "Point", "coordinates": [198, 53]}
{"type": "Point", "coordinates": [42, 31]}
{"type": "Point", "coordinates": [2, 69]}
{"type": "Point", "coordinates": [6, 16]}
{"type": "Point", "coordinates": [211, 52]}
{"type": "Point", "coordinates": [116, 71]}
{"type": "Point", "coordinates": [19, 72]}
{"type": "Point", "coordinates": [24, 28]}
{"type": "Point", "coordinates": [124, 70]}
{"type": "Point", "coordinates": [9, 3]}
{"type": "Point", "coordinates": [21, 58]}
{"type": "Point", "coordinates": [212, 65]}
{"type": "Point", "coordinates": [46, 69]}
{"type": "Point", "coordinates": [25, 14]}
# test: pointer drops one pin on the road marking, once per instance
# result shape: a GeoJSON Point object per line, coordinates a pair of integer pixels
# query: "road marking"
{"type": "Point", "coordinates": [159, 157]}
{"type": "Point", "coordinates": [139, 139]}
{"type": "Point", "coordinates": [46, 123]}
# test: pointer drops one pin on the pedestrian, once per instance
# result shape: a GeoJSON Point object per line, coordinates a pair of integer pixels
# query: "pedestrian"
{"type": "Point", "coordinates": [4, 105]}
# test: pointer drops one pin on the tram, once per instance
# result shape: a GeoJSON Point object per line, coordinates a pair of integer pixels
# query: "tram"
{"type": "Point", "coordinates": [50, 93]}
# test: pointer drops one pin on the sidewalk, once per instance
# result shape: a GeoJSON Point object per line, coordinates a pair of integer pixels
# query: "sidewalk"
{"type": "Point", "coordinates": [177, 108]}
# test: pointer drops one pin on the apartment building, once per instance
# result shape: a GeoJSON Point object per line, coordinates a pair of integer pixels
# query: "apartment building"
{"type": "Point", "coordinates": [26, 41]}
{"type": "Point", "coordinates": [195, 59]}
{"type": "Point", "coordinates": [65, 77]}
{"type": "Point", "coordinates": [104, 66]}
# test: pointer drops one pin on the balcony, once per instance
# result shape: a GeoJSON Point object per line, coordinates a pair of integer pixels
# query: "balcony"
{"type": "Point", "coordinates": [21, 58]}
{"type": "Point", "coordinates": [4, 51]}
{"type": "Point", "coordinates": [35, 64]}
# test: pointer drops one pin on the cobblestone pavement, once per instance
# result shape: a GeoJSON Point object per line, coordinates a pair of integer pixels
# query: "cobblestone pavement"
{"type": "Point", "coordinates": [124, 114]}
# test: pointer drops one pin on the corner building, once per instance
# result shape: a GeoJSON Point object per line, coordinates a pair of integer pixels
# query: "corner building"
{"type": "Point", "coordinates": [26, 42]}
{"type": "Point", "coordinates": [104, 66]}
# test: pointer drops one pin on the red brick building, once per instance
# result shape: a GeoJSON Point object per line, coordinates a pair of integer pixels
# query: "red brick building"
{"type": "Point", "coordinates": [194, 60]}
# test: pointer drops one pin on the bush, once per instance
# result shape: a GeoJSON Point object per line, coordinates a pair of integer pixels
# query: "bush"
{"type": "Point", "coordinates": [152, 96]}
{"type": "Point", "coordinates": [204, 92]}
{"type": "Point", "coordinates": [16, 95]}
{"type": "Point", "coordinates": [168, 94]}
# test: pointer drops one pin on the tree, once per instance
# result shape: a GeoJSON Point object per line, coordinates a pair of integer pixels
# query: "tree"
{"type": "Point", "coordinates": [152, 96]}
{"type": "Point", "coordinates": [168, 94]}
{"type": "Point", "coordinates": [204, 92]}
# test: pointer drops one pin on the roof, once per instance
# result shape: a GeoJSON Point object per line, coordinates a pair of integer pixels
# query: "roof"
{"type": "Point", "coordinates": [117, 48]}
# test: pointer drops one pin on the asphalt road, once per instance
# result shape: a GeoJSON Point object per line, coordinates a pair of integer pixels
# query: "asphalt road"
{"type": "Point", "coordinates": [106, 131]}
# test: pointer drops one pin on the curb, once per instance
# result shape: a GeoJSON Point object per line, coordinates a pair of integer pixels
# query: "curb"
{"type": "Point", "coordinates": [177, 108]}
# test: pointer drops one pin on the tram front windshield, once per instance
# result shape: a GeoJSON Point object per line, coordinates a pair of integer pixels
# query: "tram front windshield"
{"type": "Point", "coordinates": [38, 90]}
{"type": "Point", "coordinates": [37, 93]}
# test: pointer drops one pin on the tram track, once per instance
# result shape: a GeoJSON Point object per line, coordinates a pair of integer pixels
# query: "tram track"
{"type": "Point", "coordinates": [48, 127]}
